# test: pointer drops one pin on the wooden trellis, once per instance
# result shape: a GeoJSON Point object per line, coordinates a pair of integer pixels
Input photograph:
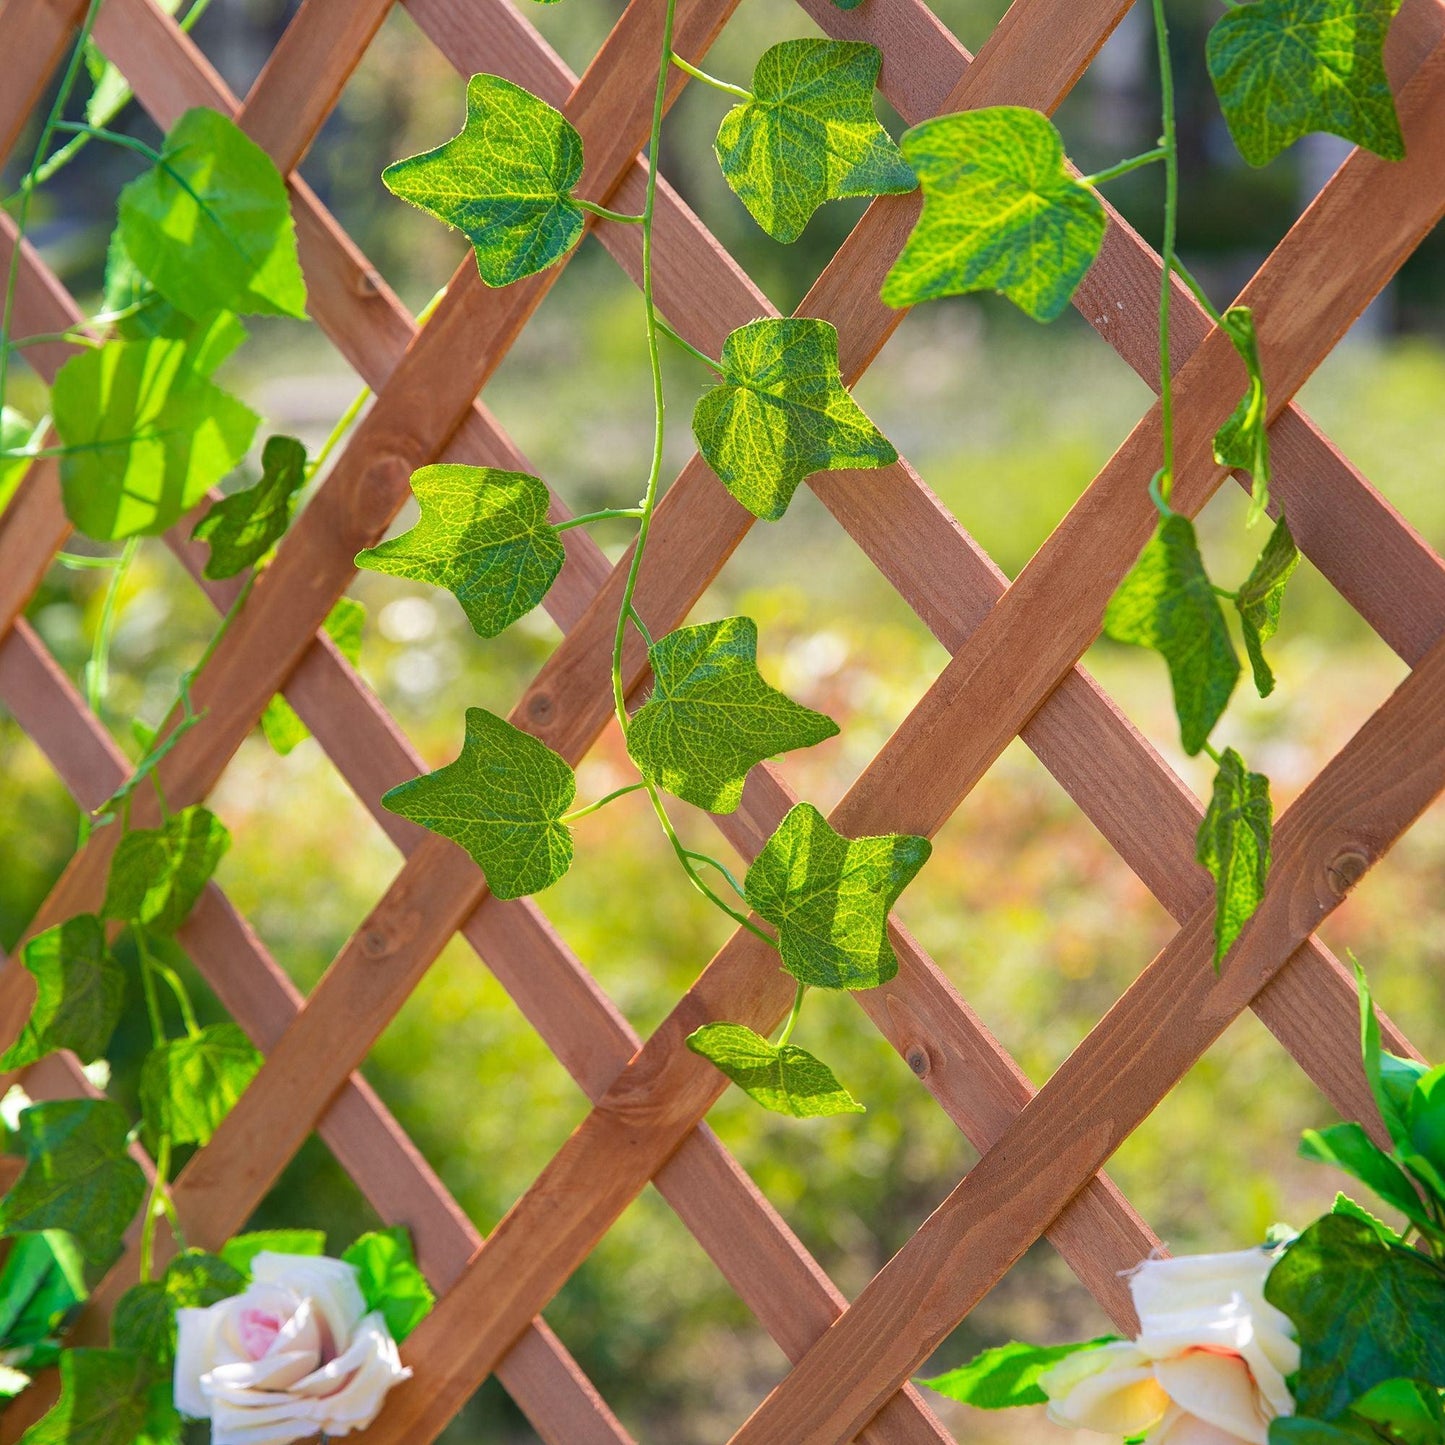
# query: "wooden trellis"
{"type": "Point", "coordinates": [1014, 671]}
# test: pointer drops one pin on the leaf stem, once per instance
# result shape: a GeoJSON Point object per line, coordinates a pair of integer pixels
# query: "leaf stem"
{"type": "Point", "coordinates": [77, 562]}
{"type": "Point", "coordinates": [1134, 163]}
{"type": "Point", "coordinates": [621, 217]}
{"type": "Point", "coordinates": [721, 868]}
{"type": "Point", "coordinates": [115, 137]}
{"type": "Point", "coordinates": [1224, 592]}
{"type": "Point", "coordinates": [97, 669]}
{"type": "Point", "coordinates": [71, 336]}
{"type": "Point", "coordinates": [157, 1204]}
{"type": "Point", "coordinates": [686, 345]}
{"type": "Point", "coordinates": [148, 967]}
{"type": "Point", "coordinates": [587, 518]}
{"type": "Point", "coordinates": [1170, 144]}
{"type": "Point", "coordinates": [707, 79]}
{"type": "Point", "coordinates": [641, 626]}
{"type": "Point", "coordinates": [792, 1022]}
{"type": "Point", "coordinates": [1200, 294]}
{"type": "Point", "coordinates": [1213, 752]}
{"type": "Point", "coordinates": [578, 813]}
{"type": "Point", "coordinates": [52, 121]}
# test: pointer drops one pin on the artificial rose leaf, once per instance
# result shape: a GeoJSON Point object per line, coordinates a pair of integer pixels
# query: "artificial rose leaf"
{"type": "Point", "coordinates": [41, 1284]}
{"type": "Point", "coordinates": [1243, 440]}
{"type": "Point", "coordinates": [1293, 1430]}
{"type": "Point", "coordinates": [239, 1251]}
{"type": "Point", "coordinates": [505, 181]}
{"type": "Point", "coordinates": [1007, 1375]}
{"type": "Point", "coordinates": [1413, 1412]}
{"type": "Point", "coordinates": [782, 413]}
{"type": "Point", "coordinates": [108, 1397]}
{"type": "Point", "coordinates": [809, 135]}
{"type": "Point", "coordinates": [1427, 1119]}
{"type": "Point", "coordinates": [243, 527]}
{"type": "Point", "coordinates": [1260, 599]}
{"type": "Point", "coordinates": [390, 1280]}
{"type": "Point", "coordinates": [1233, 842]}
{"type": "Point", "coordinates": [189, 1085]}
{"type": "Point", "coordinates": [344, 625]}
{"type": "Point", "coordinates": [1284, 68]}
{"type": "Point", "coordinates": [78, 1176]}
{"type": "Point", "coordinates": [1001, 212]}
{"type": "Point", "coordinates": [483, 534]}
{"type": "Point", "coordinates": [157, 874]}
{"type": "Point", "coordinates": [1365, 1311]}
{"type": "Point", "coordinates": [79, 989]}
{"type": "Point", "coordinates": [830, 897]}
{"type": "Point", "coordinates": [211, 229]}
{"type": "Point", "coordinates": [711, 718]}
{"type": "Point", "coordinates": [1167, 603]}
{"type": "Point", "coordinates": [144, 1319]}
{"type": "Point", "coordinates": [503, 801]}
{"type": "Point", "coordinates": [787, 1080]}
{"type": "Point", "coordinates": [146, 435]}
{"type": "Point", "coordinates": [1348, 1147]}
{"type": "Point", "coordinates": [1392, 1079]}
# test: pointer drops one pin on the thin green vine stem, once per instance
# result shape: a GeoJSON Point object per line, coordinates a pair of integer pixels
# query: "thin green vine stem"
{"type": "Point", "coordinates": [726, 87]}
{"type": "Point", "coordinates": [1170, 144]}
{"type": "Point", "coordinates": [586, 811]}
{"type": "Point", "coordinates": [148, 985]}
{"type": "Point", "coordinates": [686, 345]}
{"type": "Point", "coordinates": [622, 217]}
{"type": "Point", "coordinates": [155, 1207]}
{"type": "Point", "coordinates": [97, 669]}
{"type": "Point", "coordinates": [1134, 163]}
{"type": "Point", "coordinates": [792, 1022]}
{"type": "Point", "coordinates": [587, 518]}
{"type": "Point", "coordinates": [78, 562]}
{"type": "Point", "coordinates": [71, 336]}
{"type": "Point", "coordinates": [1200, 294]}
{"type": "Point", "coordinates": [57, 109]}
{"type": "Point", "coordinates": [115, 138]}
{"type": "Point", "coordinates": [721, 868]}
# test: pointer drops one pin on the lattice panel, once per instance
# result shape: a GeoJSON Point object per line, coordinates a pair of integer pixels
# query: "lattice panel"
{"type": "Point", "coordinates": [1015, 671]}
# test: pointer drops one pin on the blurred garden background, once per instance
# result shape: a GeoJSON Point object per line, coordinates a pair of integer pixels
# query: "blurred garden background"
{"type": "Point", "coordinates": [1024, 905]}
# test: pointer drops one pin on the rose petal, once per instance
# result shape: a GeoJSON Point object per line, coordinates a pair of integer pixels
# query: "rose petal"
{"type": "Point", "coordinates": [1180, 1428]}
{"type": "Point", "coordinates": [1111, 1389]}
{"type": "Point", "coordinates": [331, 1283]}
{"type": "Point", "coordinates": [1219, 1390]}
{"type": "Point", "coordinates": [275, 1373]}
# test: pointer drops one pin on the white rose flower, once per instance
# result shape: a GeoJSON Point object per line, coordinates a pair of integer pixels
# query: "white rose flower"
{"type": "Point", "coordinates": [293, 1356]}
{"type": "Point", "coordinates": [1208, 1367]}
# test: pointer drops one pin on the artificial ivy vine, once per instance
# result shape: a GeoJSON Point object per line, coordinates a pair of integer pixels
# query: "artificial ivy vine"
{"type": "Point", "coordinates": [142, 432]}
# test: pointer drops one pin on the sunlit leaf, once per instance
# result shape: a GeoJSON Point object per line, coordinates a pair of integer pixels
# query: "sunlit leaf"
{"type": "Point", "coordinates": [144, 1319]}
{"type": "Point", "coordinates": [503, 801]}
{"type": "Point", "coordinates": [41, 1283]}
{"type": "Point", "coordinates": [1166, 602]}
{"type": "Point", "coordinates": [79, 989]}
{"type": "Point", "coordinates": [483, 534]}
{"type": "Point", "coordinates": [244, 526]}
{"type": "Point", "coordinates": [505, 181]}
{"type": "Point", "coordinates": [1243, 440]}
{"type": "Point", "coordinates": [830, 897]}
{"type": "Point", "coordinates": [1284, 68]}
{"type": "Point", "coordinates": [344, 625]}
{"type": "Point", "coordinates": [782, 413]}
{"type": "Point", "coordinates": [1233, 842]}
{"type": "Point", "coordinates": [390, 1280]}
{"type": "Point", "coordinates": [1260, 599]}
{"type": "Point", "coordinates": [809, 135]}
{"type": "Point", "coordinates": [157, 874]}
{"type": "Point", "coordinates": [211, 229]}
{"type": "Point", "coordinates": [16, 434]}
{"type": "Point", "coordinates": [787, 1080]}
{"type": "Point", "coordinates": [1001, 212]}
{"type": "Point", "coordinates": [189, 1085]}
{"type": "Point", "coordinates": [1348, 1147]}
{"type": "Point", "coordinates": [108, 1397]}
{"type": "Point", "coordinates": [239, 1251]}
{"type": "Point", "coordinates": [711, 718]}
{"type": "Point", "coordinates": [78, 1176]}
{"type": "Point", "coordinates": [147, 434]}
{"type": "Point", "coordinates": [1008, 1375]}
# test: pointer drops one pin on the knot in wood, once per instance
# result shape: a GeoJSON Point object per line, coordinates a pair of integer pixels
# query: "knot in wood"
{"type": "Point", "coordinates": [540, 707]}
{"type": "Point", "coordinates": [1346, 870]}
{"type": "Point", "coordinates": [374, 942]}
{"type": "Point", "coordinates": [367, 284]}
{"type": "Point", "coordinates": [919, 1061]}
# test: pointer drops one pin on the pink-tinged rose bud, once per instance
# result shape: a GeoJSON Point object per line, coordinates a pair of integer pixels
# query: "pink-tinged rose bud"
{"type": "Point", "coordinates": [1208, 1367]}
{"type": "Point", "coordinates": [292, 1357]}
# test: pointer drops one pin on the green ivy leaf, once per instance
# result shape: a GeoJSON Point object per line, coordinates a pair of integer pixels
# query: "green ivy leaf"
{"type": "Point", "coordinates": [1233, 842]}
{"type": "Point", "coordinates": [1243, 440]}
{"type": "Point", "coordinates": [505, 181]}
{"type": "Point", "coordinates": [79, 989]}
{"type": "Point", "coordinates": [344, 625]}
{"type": "Point", "coordinates": [390, 1281]}
{"type": "Point", "coordinates": [78, 1176]}
{"type": "Point", "coordinates": [1345, 1205]}
{"type": "Point", "coordinates": [1260, 599]}
{"type": "Point", "coordinates": [240, 1251]}
{"type": "Point", "coordinates": [42, 1281]}
{"type": "Point", "coordinates": [189, 1085]}
{"type": "Point", "coordinates": [782, 413]}
{"type": "Point", "coordinates": [503, 801]}
{"type": "Point", "coordinates": [1348, 1147]}
{"type": "Point", "coordinates": [243, 527]}
{"type": "Point", "coordinates": [809, 135]}
{"type": "Point", "coordinates": [711, 718]}
{"type": "Point", "coordinates": [1166, 602]}
{"type": "Point", "coordinates": [16, 434]}
{"type": "Point", "coordinates": [108, 1397]}
{"type": "Point", "coordinates": [157, 874]}
{"type": "Point", "coordinates": [1284, 68]}
{"type": "Point", "coordinates": [1365, 1312]}
{"type": "Point", "coordinates": [147, 436]}
{"type": "Point", "coordinates": [830, 897]}
{"type": "Point", "coordinates": [1001, 212]}
{"type": "Point", "coordinates": [483, 534]}
{"type": "Point", "coordinates": [787, 1080]}
{"type": "Point", "coordinates": [211, 229]}
{"type": "Point", "coordinates": [145, 1315]}
{"type": "Point", "coordinates": [1427, 1118]}
{"type": "Point", "coordinates": [1008, 1375]}
{"type": "Point", "coordinates": [1413, 1412]}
